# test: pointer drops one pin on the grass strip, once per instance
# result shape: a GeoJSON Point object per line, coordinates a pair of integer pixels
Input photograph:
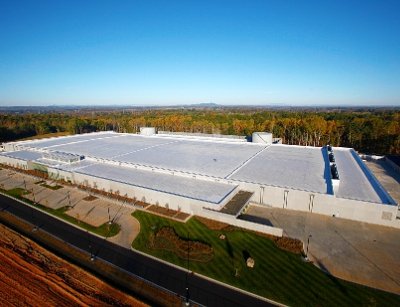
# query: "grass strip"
{"type": "Point", "coordinates": [104, 230]}
{"type": "Point", "coordinates": [51, 187]}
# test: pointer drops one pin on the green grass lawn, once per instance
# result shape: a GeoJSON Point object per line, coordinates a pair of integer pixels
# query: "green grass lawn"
{"type": "Point", "coordinates": [278, 275]}
{"type": "Point", "coordinates": [105, 230]}
{"type": "Point", "coordinates": [51, 187]}
{"type": "Point", "coordinates": [17, 192]}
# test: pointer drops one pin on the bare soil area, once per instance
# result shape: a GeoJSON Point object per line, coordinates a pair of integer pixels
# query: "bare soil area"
{"type": "Point", "coordinates": [31, 275]}
{"type": "Point", "coordinates": [90, 198]}
{"type": "Point", "coordinates": [212, 224]}
{"type": "Point", "coordinates": [167, 239]}
{"type": "Point", "coordinates": [168, 212]}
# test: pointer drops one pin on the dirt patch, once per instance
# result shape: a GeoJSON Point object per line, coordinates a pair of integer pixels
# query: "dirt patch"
{"type": "Point", "coordinates": [35, 173]}
{"type": "Point", "coordinates": [30, 275]}
{"type": "Point", "coordinates": [90, 198]}
{"type": "Point", "coordinates": [51, 187]}
{"type": "Point", "coordinates": [168, 212]}
{"type": "Point", "coordinates": [181, 216]}
{"type": "Point", "coordinates": [285, 243]}
{"type": "Point", "coordinates": [167, 239]}
{"type": "Point", "coordinates": [141, 204]}
{"type": "Point", "coordinates": [289, 244]}
{"type": "Point", "coordinates": [212, 224]}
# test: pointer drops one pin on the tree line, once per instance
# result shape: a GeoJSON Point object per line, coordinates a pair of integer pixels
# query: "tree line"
{"type": "Point", "coordinates": [371, 131]}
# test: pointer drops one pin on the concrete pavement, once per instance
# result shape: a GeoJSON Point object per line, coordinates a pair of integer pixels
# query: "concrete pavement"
{"type": "Point", "coordinates": [387, 176]}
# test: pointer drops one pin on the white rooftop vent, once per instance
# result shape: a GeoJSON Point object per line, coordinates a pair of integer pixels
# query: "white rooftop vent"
{"type": "Point", "coordinates": [262, 137]}
{"type": "Point", "coordinates": [147, 130]}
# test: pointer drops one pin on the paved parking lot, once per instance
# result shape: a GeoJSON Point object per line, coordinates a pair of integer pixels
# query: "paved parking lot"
{"type": "Point", "coordinates": [387, 176]}
{"type": "Point", "coordinates": [95, 212]}
{"type": "Point", "coordinates": [359, 252]}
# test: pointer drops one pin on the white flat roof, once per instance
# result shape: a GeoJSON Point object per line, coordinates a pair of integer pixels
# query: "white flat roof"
{"type": "Point", "coordinates": [23, 155]}
{"type": "Point", "coordinates": [196, 157]}
{"type": "Point", "coordinates": [295, 167]}
{"type": "Point", "coordinates": [205, 157]}
{"type": "Point", "coordinates": [354, 181]}
{"type": "Point", "coordinates": [70, 139]}
{"type": "Point", "coordinates": [209, 191]}
{"type": "Point", "coordinates": [111, 147]}
{"type": "Point", "coordinates": [301, 168]}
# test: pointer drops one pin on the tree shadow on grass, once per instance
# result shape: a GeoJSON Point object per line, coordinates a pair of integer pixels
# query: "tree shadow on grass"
{"type": "Point", "coordinates": [229, 248]}
{"type": "Point", "coordinates": [246, 255]}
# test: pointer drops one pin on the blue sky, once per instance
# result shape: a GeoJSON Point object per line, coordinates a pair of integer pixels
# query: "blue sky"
{"type": "Point", "coordinates": [182, 52]}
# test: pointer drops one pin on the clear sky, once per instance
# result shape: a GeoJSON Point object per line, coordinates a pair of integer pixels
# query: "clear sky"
{"type": "Point", "coordinates": [183, 52]}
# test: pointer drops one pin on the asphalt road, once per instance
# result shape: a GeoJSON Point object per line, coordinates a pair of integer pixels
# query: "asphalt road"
{"type": "Point", "coordinates": [201, 290]}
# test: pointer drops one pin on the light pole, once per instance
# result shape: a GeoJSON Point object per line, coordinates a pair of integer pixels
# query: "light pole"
{"type": "Point", "coordinates": [90, 247]}
{"type": "Point", "coordinates": [33, 196]}
{"type": "Point", "coordinates": [187, 302]}
{"type": "Point", "coordinates": [308, 244]}
{"type": "Point", "coordinates": [69, 199]}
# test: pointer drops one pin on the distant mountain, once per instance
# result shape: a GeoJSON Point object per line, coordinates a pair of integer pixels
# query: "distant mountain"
{"type": "Point", "coordinates": [206, 105]}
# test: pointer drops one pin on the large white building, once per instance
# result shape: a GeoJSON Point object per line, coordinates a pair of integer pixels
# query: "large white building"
{"type": "Point", "coordinates": [201, 175]}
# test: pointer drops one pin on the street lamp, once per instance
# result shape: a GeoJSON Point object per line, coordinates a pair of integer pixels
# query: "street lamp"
{"type": "Point", "coordinates": [90, 247]}
{"type": "Point", "coordinates": [69, 199]}
{"type": "Point", "coordinates": [109, 216]}
{"type": "Point", "coordinates": [308, 244]}
{"type": "Point", "coordinates": [187, 302]}
{"type": "Point", "coordinates": [33, 196]}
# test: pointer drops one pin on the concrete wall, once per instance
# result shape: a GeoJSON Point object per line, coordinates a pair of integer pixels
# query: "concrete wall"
{"type": "Point", "coordinates": [279, 197]}
{"type": "Point", "coordinates": [14, 162]}
{"type": "Point", "coordinates": [231, 220]}
{"type": "Point", "coordinates": [356, 210]}
{"type": "Point", "coordinates": [58, 174]}
{"type": "Point", "coordinates": [175, 202]}
{"type": "Point", "coordinates": [326, 204]}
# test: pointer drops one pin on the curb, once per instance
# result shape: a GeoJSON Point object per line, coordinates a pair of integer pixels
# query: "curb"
{"type": "Point", "coordinates": [54, 216]}
{"type": "Point", "coordinates": [210, 279]}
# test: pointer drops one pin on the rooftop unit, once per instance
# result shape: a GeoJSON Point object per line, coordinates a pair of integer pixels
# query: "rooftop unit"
{"type": "Point", "coordinates": [62, 157]}
{"type": "Point", "coordinates": [262, 137]}
{"type": "Point", "coordinates": [333, 168]}
{"type": "Point", "coordinates": [147, 130]}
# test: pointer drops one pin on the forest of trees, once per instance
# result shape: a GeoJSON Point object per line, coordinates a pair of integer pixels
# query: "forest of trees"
{"type": "Point", "coordinates": [368, 131]}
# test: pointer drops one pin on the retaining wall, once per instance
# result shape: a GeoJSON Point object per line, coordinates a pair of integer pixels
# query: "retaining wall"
{"type": "Point", "coordinates": [232, 220]}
